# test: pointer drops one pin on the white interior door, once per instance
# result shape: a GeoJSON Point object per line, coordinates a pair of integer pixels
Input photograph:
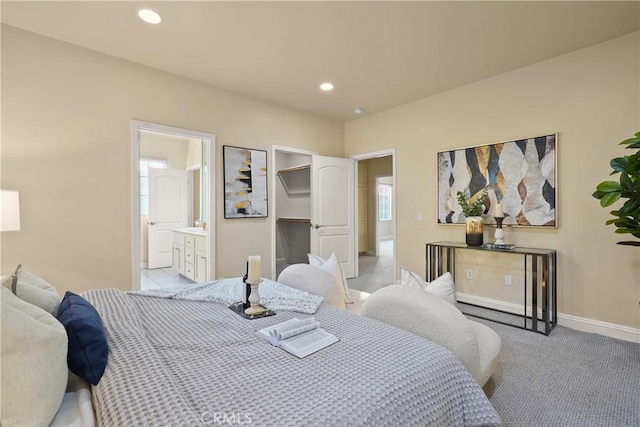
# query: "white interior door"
{"type": "Point", "coordinates": [168, 208]}
{"type": "Point", "coordinates": [332, 210]}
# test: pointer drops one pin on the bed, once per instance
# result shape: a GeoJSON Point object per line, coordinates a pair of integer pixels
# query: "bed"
{"type": "Point", "coordinates": [179, 362]}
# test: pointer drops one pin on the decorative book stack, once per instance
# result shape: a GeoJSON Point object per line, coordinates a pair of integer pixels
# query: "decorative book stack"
{"type": "Point", "coordinates": [500, 246]}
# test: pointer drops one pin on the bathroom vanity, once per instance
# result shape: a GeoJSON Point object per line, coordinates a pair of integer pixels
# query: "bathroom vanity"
{"type": "Point", "coordinates": [190, 253]}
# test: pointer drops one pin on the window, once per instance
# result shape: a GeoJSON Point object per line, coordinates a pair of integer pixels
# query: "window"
{"type": "Point", "coordinates": [384, 202]}
{"type": "Point", "coordinates": [145, 164]}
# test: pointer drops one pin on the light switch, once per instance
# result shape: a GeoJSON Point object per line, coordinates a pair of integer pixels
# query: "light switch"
{"type": "Point", "coordinates": [419, 216]}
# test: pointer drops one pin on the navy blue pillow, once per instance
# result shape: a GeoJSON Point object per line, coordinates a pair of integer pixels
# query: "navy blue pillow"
{"type": "Point", "coordinates": [88, 348]}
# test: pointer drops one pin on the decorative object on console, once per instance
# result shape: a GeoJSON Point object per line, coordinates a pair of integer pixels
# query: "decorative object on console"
{"type": "Point", "coordinates": [472, 208]}
{"type": "Point", "coordinates": [498, 169]}
{"type": "Point", "coordinates": [627, 218]}
{"type": "Point", "coordinates": [499, 246]}
{"type": "Point", "coordinates": [245, 183]}
{"type": "Point", "coordinates": [499, 234]}
{"type": "Point", "coordinates": [10, 210]}
{"type": "Point", "coordinates": [442, 286]}
{"type": "Point", "coordinates": [474, 231]}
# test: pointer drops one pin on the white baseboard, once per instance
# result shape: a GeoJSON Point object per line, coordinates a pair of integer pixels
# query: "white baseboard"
{"type": "Point", "coordinates": [583, 324]}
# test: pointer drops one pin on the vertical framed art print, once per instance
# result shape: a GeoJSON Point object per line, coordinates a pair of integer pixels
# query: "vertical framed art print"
{"type": "Point", "coordinates": [245, 182]}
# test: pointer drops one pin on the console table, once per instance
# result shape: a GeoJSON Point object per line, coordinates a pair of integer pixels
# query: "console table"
{"type": "Point", "coordinates": [539, 264]}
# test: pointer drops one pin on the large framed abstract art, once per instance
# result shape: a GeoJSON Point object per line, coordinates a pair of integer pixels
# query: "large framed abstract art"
{"type": "Point", "coordinates": [245, 182]}
{"type": "Point", "coordinates": [519, 174]}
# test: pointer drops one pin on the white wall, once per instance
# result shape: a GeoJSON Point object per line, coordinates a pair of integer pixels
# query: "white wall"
{"type": "Point", "coordinates": [66, 146]}
{"type": "Point", "coordinates": [591, 98]}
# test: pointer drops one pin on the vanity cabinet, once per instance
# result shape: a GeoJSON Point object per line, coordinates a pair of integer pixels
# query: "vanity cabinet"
{"type": "Point", "coordinates": [178, 252]}
{"type": "Point", "coordinates": [190, 255]}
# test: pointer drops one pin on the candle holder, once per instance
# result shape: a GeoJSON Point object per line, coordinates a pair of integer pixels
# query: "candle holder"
{"type": "Point", "coordinates": [254, 298]}
{"type": "Point", "coordinates": [499, 235]}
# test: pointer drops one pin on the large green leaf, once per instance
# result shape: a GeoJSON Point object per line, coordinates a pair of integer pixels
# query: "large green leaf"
{"type": "Point", "coordinates": [609, 186]}
{"type": "Point", "coordinates": [626, 230]}
{"type": "Point", "coordinates": [626, 219]}
{"type": "Point", "coordinates": [634, 145]}
{"type": "Point", "coordinates": [609, 199]}
{"type": "Point", "coordinates": [630, 141]}
{"type": "Point", "coordinates": [629, 243]}
{"type": "Point", "coordinates": [619, 164]}
{"type": "Point", "coordinates": [625, 181]}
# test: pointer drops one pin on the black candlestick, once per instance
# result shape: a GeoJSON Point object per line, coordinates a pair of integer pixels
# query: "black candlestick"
{"type": "Point", "coordinates": [246, 304]}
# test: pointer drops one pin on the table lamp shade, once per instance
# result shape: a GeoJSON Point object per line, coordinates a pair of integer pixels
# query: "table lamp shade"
{"type": "Point", "coordinates": [10, 210]}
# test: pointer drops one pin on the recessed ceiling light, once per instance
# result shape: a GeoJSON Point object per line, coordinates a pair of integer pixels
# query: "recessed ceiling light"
{"type": "Point", "coordinates": [358, 110]}
{"type": "Point", "coordinates": [326, 86]}
{"type": "Point", "coordinates": [149, 16]}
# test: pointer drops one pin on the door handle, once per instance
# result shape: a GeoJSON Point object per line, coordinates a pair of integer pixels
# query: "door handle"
{"type": "Point", "coordinates": [317, 226]}
{"type": "Point", "coordinates": [152, 223]}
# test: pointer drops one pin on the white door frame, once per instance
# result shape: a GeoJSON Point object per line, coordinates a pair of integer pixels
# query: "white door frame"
{"type": "Point", "coordinates": [208, 140]}
{"type": "Point", "coordinates": [377, 227]}
{"type": "Point", "coordinates": [273, 208]}
{"type": "Point", "coordinates": [372, 155]}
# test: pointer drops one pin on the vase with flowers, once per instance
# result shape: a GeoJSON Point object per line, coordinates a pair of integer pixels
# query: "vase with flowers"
{"type": "Point", "coordinates": [472, 208]}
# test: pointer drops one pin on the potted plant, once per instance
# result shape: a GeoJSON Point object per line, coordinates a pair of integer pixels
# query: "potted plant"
{"type": "Point", "coordinates": [473, 210]}
{"type": "Point", "coordinates": [627, 217]}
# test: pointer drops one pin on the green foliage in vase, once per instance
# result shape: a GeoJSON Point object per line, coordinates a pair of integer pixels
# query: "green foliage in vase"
{"type": "Point", "coordinates": [627, 217]}
{"type": "Point", "coordinates": [472, 208]}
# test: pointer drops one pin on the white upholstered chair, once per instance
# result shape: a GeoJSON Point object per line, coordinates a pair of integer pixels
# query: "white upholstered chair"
{"type": "Point", "coordinates": [415, 310]}
{"type": "Point", "coordinates": [315, 281]}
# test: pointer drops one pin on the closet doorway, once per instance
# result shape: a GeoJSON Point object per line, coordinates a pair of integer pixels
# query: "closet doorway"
{"type": "Point", "coordinates": [376, 227]}
{"type": "Point", "coordinates": [292, 208]}
{"type": "Point", "coordinates": [313, 209]}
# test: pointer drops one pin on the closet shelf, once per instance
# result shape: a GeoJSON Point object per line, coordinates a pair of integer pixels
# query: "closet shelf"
{"type": "Point", "coordinates": [296, 183]}
{"type": "Point", "coordinates": [294, 169]}
{"type": "Point", "coordinates": [295, 220]}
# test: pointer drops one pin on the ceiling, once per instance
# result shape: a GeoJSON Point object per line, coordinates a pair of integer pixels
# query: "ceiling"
{"type": "Point", "coordinates": [377, 54]}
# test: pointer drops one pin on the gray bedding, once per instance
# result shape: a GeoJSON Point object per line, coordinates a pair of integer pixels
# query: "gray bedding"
{"type": "Point", "coordinates": [181, 363]}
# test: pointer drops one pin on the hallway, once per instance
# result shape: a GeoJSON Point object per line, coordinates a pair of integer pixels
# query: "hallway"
{"type": "Point", "coordinates": [375, 272]}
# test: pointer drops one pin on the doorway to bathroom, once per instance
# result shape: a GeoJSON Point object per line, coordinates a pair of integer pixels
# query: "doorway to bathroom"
{"type": "Point", "coordinates": [173, 224]}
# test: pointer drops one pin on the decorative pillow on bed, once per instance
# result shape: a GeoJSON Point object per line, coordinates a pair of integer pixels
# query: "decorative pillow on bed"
{"type": "Point", "coordinates": [333, 267]}
{"type": "Point", "coordinates": [314, 280]}
{"type": "Point", "coordinates": [88, 348]}
{"type": "Point", "coordinates": [443, 286]}
{"type": "Point", "coordinates": [34, 290]}
{"type": "Point", "coordinates": [34, 363]}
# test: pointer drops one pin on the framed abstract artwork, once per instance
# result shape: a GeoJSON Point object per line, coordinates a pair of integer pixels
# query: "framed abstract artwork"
{"type": "Point", "coordinates": [245, 182]}
{"type": "Point", "coordinates": [519, 174]}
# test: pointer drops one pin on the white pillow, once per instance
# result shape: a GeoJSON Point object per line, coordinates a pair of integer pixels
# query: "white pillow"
{"type": "Point", "coordinates": [314, 280]}
{"type": "Point", "coordinates": [35, 290]}
{"type": "Point", "coordinates": [34, 363]}
{"type": "Point", "coordinates": [443, 286]}
{"type": "Point", "coordinates": [333, 267]}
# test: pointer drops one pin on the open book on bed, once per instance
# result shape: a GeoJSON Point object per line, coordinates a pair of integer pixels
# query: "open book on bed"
{"type": "Point", "coordinates": [299, 337]}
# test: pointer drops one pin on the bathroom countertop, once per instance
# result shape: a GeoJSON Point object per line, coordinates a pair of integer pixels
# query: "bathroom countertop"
{"type": "Point", "coordinates": [196, 231]}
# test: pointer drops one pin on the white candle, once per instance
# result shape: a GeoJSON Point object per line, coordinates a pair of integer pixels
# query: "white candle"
{"type": "Point", "coordinates": [499, 211]}
{"type": "Point", "coordinates": [254, 269]}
